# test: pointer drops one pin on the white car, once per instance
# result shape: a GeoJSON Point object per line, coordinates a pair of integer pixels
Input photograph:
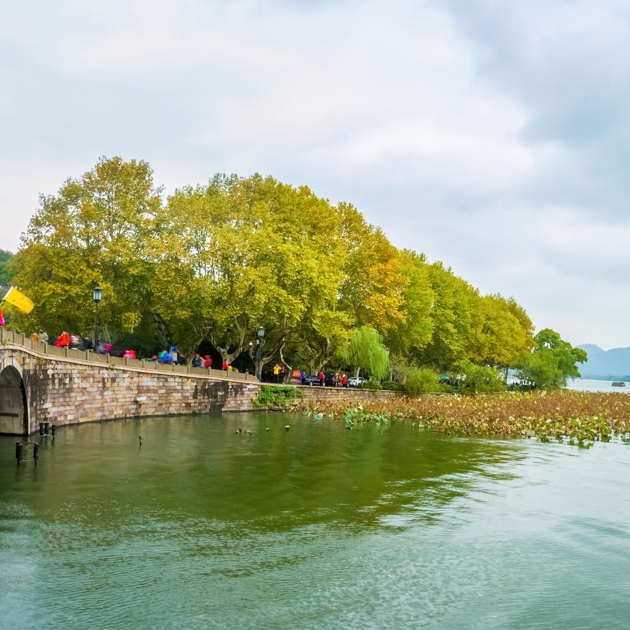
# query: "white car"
{"type": "Point", "coordinates": [356, 381]}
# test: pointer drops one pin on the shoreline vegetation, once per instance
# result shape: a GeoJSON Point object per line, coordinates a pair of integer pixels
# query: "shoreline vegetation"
{"type": "Point", "coordinates": [254, 272]}
{"type": "Point", "coordinates": [574, 417]}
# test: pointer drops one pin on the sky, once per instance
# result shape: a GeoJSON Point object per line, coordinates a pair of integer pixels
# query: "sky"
{"type": "Point", "coordinates": [491, 135]}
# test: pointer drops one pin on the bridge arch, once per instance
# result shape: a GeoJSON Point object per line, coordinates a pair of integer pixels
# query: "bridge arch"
{"type": "Point", "coordinates": [13, 403]}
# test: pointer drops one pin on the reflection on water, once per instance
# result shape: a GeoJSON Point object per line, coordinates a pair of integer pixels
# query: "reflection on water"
{"type": "Point", "coordinates": [201, 527]}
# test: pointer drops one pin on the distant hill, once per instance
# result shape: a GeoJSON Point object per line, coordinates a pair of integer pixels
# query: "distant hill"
{"type": "Point", "coordinates": [606, 364]}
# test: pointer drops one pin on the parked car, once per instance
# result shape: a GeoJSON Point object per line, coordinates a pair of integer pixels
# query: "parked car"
{"type": "Point", "coordinates": [356, 381]}
{"type": "Point", "coordinates": [312, 380]}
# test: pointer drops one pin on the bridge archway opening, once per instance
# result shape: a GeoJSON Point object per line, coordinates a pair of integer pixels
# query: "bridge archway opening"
{"type": "Point", "coordinates": [13, 407]}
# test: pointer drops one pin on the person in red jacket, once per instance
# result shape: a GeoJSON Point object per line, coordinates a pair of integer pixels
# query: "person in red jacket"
{"type": "Point", "coordinates": [344, 381]}
{"type": "Point", "coordinates": [322, 379]}
{"type": "Point", "coordinates": [208, 362]}
{"type": "Point", "coordinates": [225, 366]}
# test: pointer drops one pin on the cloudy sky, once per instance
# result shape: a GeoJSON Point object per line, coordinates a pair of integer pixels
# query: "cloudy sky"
{"type": "Point", "coordinates": [492, 135]}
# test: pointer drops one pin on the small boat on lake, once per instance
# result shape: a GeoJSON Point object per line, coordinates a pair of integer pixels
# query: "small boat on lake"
{"type": "Point", "coordinates": [618, 384]}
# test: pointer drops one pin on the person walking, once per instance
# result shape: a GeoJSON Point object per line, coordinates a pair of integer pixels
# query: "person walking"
{"type": "Point", "coordinates": [87, 343]}
{"type": "Point", "coordinates": [322, 379]}
{"type": "Point", "coordinates": [64, 340]}
{"type": "Point", "coordinates": [226, 367]}
{"type": "Point", "coordinates": [276, 373]}
{"type": "Point", "coordinates": [344, 381]}
{"type": "Point", "coordinates": [303, 377]}
{"type": "Point", "coordinates": [208, 362]}
{"type": "Point", "coordinates": [43, 336]}
{"type": "Point", "coordinates": [196, 362]}
{"type": "Point", "coordinates": [166, 357]}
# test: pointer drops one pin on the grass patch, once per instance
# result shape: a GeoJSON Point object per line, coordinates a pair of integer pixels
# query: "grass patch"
{"type": "Point", "coordinates": [269, 396]}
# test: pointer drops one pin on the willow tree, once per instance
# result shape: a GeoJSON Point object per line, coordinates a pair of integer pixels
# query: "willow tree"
{"type": "Point", "coordinates": [367, 352]}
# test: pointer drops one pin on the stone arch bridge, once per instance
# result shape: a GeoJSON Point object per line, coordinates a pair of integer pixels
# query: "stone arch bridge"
{"type": "Point", "coordinates": [43, 383]}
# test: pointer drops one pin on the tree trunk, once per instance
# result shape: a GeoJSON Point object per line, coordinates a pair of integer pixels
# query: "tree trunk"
{"type": "Point", "coordinates": [287, 376]}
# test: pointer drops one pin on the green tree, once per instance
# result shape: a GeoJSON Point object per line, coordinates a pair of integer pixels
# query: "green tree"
{"type": "Point", "coordinates": [424, 381]}
{"type": "Point", "coordinates": [367, 352]}
{"type": "Point", "coordinates": [5, 274]}
{"type": "Point", "coordinates": [477, 379]}
{"type": "Point", "coordinates": [92, 233]}
{"type": "Point", "coordinates": [415, 329]}
{"type": "Point", "coordinates": [552, 363]}
{"type": "Point", "coordinates": [244, 252]}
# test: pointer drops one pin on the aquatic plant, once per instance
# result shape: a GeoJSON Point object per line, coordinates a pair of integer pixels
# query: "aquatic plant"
{"type": "Point", "coordinates": [579, 418]}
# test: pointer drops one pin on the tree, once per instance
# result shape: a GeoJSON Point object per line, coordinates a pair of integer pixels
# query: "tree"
{"type": "Point", "coordinates": [246, 252]}
{"type": "Point", "coordinates": [367, 352]}
{"type": "Point", "coordinates": [552, 363]}
{"type": "Point", "coordinates": [415, 329]}
{"type": "Point", "coordinates": [476, 379]}
{"type": "Point", "coordinates": [92, 233]}
{"type": "Point", "coordinates": [453, 319]}
{"type": "Point", "coordinates": [5, 273]}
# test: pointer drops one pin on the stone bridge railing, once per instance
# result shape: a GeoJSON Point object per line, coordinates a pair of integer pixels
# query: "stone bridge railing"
{"type": "Point", "coordinates": [43, 383]}
{"type": "Point", "coordinates": [47, 350]}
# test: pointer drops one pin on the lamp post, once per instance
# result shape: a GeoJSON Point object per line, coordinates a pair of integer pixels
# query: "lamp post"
{"type": "Point", "coordinates": [260, 342]}
{"type": "Point", "coordinates": [96, 296]}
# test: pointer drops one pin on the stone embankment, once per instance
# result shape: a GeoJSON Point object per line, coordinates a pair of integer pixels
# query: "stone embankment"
{"type": "Point", "coordinates": [41, 383]}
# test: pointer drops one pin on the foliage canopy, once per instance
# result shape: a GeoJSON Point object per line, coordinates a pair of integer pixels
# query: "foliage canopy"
{"type": "Point", "coordinates": [211, 263]}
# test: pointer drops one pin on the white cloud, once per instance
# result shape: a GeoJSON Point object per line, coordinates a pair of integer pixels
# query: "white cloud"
{"type": "Point", "coordinates": [491, 135]}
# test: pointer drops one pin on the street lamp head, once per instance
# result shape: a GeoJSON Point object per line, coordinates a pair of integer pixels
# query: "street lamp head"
{"type": "Point", "coordinates": [97, 294]}
{"type": "Point", "coordinates": [261, 331]}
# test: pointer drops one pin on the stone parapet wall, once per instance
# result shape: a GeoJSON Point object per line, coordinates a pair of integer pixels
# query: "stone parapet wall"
{"type": "Point", "coordinates": [65, 390]}
{"type": "Point", "coordinates": [349, 394]}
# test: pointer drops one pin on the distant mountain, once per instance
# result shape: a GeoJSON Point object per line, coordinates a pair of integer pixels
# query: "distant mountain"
{"type": "Point", "coordinates": [591, 349]}
{"type": "Point", "coordinates": [607, 365]}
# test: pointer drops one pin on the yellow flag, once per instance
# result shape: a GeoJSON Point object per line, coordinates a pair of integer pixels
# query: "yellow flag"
{"type": "Point", "coordinates": [19, 300]}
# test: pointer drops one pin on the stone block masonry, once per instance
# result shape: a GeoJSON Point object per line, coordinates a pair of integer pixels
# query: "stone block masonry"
{"type": "Point", "coordinates": [38, 388]}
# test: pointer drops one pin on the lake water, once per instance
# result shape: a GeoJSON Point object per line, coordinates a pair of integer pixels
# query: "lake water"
{"type": "Point", "coordinates": [592, 385]}
{"type": "Point", "coordinates": [315, 528]}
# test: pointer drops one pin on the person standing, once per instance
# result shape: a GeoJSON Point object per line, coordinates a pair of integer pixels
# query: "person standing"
{"type": "Point", "coordinates": [322, 379]}
{"type": "Point", "coordinates": [43, 336]}
{"type": "Point", "coordinates": [303, 377]}
{"type": "Point", "coordinates": [196, 362]}
{"type": "Point", "coordinates": [276, 373]}
{"type": "Point", "coordinates": [64, 340]}
{"type": "Point", "coordinates": [87, 344]}
{"type": "Point", "coordinates": [208, 362]}
{"type": "Point", "coordinates": [344, 381]}
{"type": "Point", "coordinates": [226, 367]}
